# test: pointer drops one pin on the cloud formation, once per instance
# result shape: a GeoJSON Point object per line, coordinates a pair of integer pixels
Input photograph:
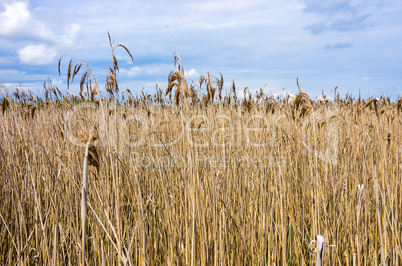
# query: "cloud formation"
{"type": "Point", "coordinates": [70, 36]}
{"type": "Point", "coordinates": [330, 7]}
{"type": "Point", "coordinates": [131, 72]}
{"type": "Point", "coordinates": [254, 42]}
{"type": "Point", "coordinates": [192, 74]}
{"type": "Point", "coordinates": [340, 15]}
{"type": "Point", "coordinates": [10, 72]}
{"type": "Point", "coordinates": [37, 55]}
{"type": "Point", "coordinates": [18, 24]}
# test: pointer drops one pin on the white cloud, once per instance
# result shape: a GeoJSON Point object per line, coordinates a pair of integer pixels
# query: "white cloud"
{"type": "Point", "coordinates": [125, 58]}
{"type": "Point", "coordinates": [322, 98]}
{"type": "Point", "coordinates": [71, 35]}
{"type": "Point", "coordinates": [192, 74]}
{"type": "Point", "coordinates": [10, 72]}
{"type": "Point", "coordinates": [341, 15]}
{"type": "Point", "coordinates": [145, 70]}
{"type": "Point", "coordinates": [16, 22]}
{"type": "Point", "coordinates": [57, 82]}
{"type": "Point", "coordinates": [13, 18]}
{"type": "Point", "coordinates": [37, 55]}
{"type": "Point", "coordinates": [283, 94]}
{"type": "Point", "coordinates": [266, 38]}
{"type": "Point", "coordinates": [367, 78]}
{"type": "Point", "coordinates": [131, 72]}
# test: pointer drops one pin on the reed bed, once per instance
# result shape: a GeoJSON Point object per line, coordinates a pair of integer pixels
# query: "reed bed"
{"type": "Point", "coordinates": [194, 176]}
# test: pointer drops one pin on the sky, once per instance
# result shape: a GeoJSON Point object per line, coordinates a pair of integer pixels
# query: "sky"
{"type": "Point", "coordinates": [355, 45]}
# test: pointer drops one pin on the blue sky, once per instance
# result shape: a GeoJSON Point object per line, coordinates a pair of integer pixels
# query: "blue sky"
{"type": "Point", "coordinates": [355, 45]}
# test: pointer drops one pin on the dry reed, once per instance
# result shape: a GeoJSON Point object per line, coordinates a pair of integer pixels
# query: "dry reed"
{"type": "Point", "coordinates": [220, 181]}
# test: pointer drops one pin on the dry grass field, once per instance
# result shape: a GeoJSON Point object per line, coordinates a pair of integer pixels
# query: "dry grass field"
{"type": "Point", "coordinates": [183, 177]}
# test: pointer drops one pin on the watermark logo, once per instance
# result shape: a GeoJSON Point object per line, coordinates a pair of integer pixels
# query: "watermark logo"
{"type": "Point", "coordinates": [255, 134]}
